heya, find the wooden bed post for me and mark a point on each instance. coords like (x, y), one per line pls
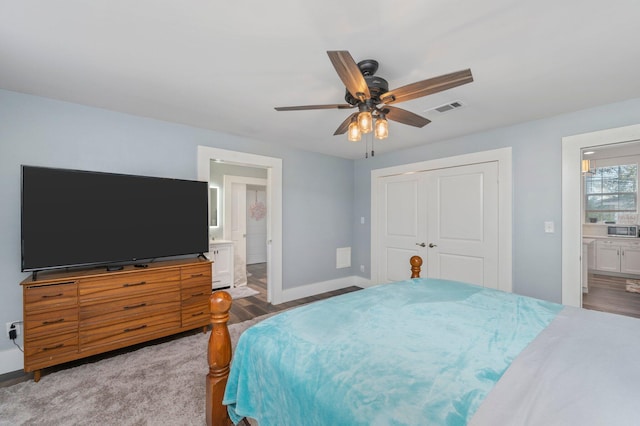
(416, 263)
(219, 356)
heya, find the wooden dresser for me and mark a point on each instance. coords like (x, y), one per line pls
(72, 315)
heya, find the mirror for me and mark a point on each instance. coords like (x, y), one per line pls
(213, 207)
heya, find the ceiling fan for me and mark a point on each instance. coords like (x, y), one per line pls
(371, 95)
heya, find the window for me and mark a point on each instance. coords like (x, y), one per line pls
(611, 191)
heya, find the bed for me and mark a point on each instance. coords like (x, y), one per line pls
(426, 351)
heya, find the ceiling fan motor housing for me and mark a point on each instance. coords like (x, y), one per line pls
(377, 86)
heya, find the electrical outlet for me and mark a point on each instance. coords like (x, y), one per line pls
(16, 325)
(361, 268)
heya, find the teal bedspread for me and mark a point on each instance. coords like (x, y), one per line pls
(422, 351)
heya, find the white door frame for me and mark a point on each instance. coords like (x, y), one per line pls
(505, 200)
(572, 202)
(274, 199)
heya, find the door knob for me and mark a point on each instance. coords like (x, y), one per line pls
(431, 245)
(421, 244)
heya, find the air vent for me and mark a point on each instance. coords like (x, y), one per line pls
(446, 107)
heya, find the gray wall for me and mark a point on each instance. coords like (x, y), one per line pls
(317, 189)
(537, 197)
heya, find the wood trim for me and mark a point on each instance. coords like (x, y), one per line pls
(219, 358)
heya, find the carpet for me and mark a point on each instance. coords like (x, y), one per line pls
(162, 384)
(240, 292)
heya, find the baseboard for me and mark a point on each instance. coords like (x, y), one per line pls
(11, 360)
(363, 282)
(322, 287)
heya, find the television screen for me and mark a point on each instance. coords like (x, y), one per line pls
(76, 218)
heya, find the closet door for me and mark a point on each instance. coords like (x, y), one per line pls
(448, 216)
(463, 224)
(402, 226)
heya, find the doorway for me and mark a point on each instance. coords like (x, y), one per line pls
(572, 146)
(274, 199)
(241, 215)
(610, 265)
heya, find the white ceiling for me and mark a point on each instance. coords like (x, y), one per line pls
(225, 65)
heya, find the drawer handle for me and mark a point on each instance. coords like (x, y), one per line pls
(196, 275)
(50, 296)
(134, 284)
(197, 294)
(135, 306)
(53, 322)
(53, 347)
(126, 330)
(49, 285)
(198, 314)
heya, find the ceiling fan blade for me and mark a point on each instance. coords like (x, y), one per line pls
(342, 128)
(427, 87)
(349, 73)
(405, 117)
(304, 107)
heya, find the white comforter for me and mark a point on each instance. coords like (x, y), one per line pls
(583, 369)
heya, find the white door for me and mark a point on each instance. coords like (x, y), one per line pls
(462, 212)
(453, 212)
(256, 225)
(402, 231)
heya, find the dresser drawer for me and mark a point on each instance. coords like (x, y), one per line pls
(122, 310)
(196, 275)
(97, 290)
(47, 350)
(199, 294)
(138, 329)
(47, 323)
(50, 296)
(195, 315)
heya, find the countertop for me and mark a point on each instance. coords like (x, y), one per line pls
(219, 242)
(608, 237)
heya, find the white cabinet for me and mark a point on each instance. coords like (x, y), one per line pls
(630, 258)
(221, 252)
(618, 256)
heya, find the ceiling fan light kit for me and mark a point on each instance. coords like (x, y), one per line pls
(365, 120)
(354, 134)
(382, 127)
(372, 96)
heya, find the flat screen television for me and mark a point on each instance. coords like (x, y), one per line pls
(76, 218)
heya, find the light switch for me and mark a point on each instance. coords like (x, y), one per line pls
(549, 227)
(361, 220)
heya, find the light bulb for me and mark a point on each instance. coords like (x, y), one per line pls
(365, 121)
(382, 128)
(353, 134)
